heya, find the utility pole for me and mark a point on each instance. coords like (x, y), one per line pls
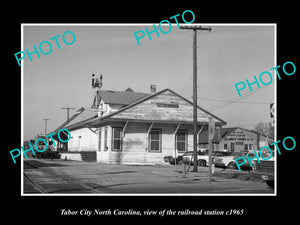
(195, 28)
(257, 137)
(46, 125)
(68, 110)
(211, 134)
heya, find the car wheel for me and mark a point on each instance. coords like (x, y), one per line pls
(202, 163)
(232, 165)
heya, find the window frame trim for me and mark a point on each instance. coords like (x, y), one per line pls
(100, 140)
(105, 139)
(121, 139)
(186, 140)
(160, 140)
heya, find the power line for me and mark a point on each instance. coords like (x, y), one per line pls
(219, 100)
(221, 105)
(244, 125)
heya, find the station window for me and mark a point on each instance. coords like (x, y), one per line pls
(155, 140)
(105, 139)
(117, 139)
(181, 140)
(99, 139)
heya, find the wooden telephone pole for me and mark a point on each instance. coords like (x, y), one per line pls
(46, 126)
(68, 111)
(195, 28)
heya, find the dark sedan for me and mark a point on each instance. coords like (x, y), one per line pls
(171, 160)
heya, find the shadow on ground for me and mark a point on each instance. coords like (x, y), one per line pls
(34, 164)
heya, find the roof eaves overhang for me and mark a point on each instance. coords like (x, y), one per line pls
(81, 124)
(100, 121)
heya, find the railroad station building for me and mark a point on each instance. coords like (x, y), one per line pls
(127, 127)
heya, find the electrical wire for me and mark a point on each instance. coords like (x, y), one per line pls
(223, 104)
(219, 100)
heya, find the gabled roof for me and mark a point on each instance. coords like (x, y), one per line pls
(109, 97)
(146, 97)
(120, 97)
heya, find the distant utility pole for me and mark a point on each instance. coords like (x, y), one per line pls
(46, 125)
(195, 28)
(68, 110)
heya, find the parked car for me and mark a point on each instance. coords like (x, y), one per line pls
(222, 153)
(202, 158)
(171, 160)
(49, 153)
(188, 158)
(228, 160)
(168, 158)
(265, 168)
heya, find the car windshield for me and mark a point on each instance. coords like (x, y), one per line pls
(203, 153)
(187, 154)
(238, 153)
(222, 153)
(198, 153)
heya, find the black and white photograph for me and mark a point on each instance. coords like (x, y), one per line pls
(128, 109)
(156, 118)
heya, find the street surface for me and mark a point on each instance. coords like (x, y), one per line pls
(72, 177)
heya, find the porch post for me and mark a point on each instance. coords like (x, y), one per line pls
(147, 135)
(175, 148)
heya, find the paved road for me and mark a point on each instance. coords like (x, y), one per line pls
(46, 176)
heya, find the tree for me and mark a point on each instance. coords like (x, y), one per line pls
(265, 129)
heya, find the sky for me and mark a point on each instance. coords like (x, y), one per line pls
(227, 55)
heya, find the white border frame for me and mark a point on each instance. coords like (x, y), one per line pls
(148, 24)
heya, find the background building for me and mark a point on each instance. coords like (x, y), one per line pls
(235, 139)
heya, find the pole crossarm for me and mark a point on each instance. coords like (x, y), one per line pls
(195, 27)
(68, 111)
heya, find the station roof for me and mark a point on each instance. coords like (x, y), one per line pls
(119, 97)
